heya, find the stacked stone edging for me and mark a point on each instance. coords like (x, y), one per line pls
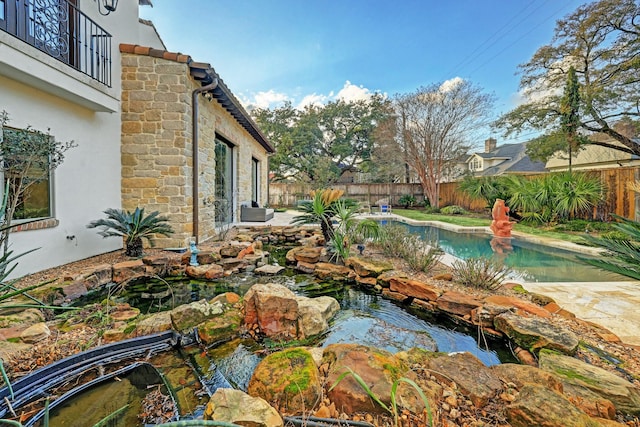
(245, 253)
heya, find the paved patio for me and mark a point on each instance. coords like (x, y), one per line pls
(613, 305)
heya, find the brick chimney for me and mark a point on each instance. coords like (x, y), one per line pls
(490, 145)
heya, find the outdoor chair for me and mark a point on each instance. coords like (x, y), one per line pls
(385, 209)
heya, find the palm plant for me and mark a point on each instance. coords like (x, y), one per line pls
(487, 188)
(319, 210)
(133, 227)
(577, 193)
(350, 229)
(622, 256)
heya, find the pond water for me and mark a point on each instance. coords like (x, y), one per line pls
(195, 371)
(529, 261)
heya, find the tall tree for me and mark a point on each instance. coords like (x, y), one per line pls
(569, 110)
(436, 124)
(601, 40)
(319, 144)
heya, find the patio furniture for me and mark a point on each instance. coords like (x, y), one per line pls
(249, 214)
(385, 209)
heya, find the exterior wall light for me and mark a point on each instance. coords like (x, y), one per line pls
(105, 7)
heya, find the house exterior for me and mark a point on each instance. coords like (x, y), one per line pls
(61, 70)
(505, 159)
(164, 95)
(591, 157)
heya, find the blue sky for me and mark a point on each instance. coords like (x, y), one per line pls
(304, 51)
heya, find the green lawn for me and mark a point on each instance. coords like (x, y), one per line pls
(471, 221)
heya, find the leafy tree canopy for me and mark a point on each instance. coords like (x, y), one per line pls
(601, 40)
(318, 144)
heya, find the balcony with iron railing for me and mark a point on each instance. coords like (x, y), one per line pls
(62, 31)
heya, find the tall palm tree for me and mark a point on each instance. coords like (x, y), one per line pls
(133, 227)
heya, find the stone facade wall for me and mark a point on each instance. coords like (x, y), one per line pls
(157, 147)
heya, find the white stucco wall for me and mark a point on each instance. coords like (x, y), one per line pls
(40, 91)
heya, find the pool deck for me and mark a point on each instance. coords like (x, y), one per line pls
(612, 305)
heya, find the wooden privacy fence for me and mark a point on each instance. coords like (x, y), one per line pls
(618, 198)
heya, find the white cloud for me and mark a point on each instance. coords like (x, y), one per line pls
(352, 93)
(272, 99)
(267, 99)
(312, 99)
(451, 84)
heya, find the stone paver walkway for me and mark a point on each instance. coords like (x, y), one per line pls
(613, 305)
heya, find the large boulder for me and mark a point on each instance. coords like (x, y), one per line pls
(222, 327)
(274, 308)
(237, 407)
(289, 378)
(314, 314)
(535, 333)
(521, 375)
(624, 395)
(187, 316)
(308, 254)
(377, 368)
(158, 322)
(536, 405)
(475, 380)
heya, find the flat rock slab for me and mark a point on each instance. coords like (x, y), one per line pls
(269, 269)
(535, 333)
(474, 378)
(624, 395)
(536, 405)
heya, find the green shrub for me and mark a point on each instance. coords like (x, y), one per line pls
(582, 226)
(419, 255)
(453, 210)
(397, 241)
(407, 200)
(482, 272)
(392, 238)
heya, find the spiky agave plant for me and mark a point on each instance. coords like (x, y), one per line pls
(133, 227)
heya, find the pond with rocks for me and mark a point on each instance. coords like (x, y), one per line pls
(279, 340)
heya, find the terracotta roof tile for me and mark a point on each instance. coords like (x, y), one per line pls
(141, 50)
(156, 53)
(170, 56)
(127, 48)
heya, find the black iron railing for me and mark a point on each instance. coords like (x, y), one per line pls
(58, 28)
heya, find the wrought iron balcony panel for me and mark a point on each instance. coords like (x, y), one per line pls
(62, 31)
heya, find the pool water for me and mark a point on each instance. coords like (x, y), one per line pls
(530, 262)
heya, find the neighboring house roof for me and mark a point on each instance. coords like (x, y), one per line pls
(205, 74)
(513, 159)
(594, 157)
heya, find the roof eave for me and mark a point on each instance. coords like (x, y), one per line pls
(205, 74)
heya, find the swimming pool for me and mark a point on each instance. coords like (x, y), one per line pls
(530, 262)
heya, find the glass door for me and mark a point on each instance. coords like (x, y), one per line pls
(224, 183)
